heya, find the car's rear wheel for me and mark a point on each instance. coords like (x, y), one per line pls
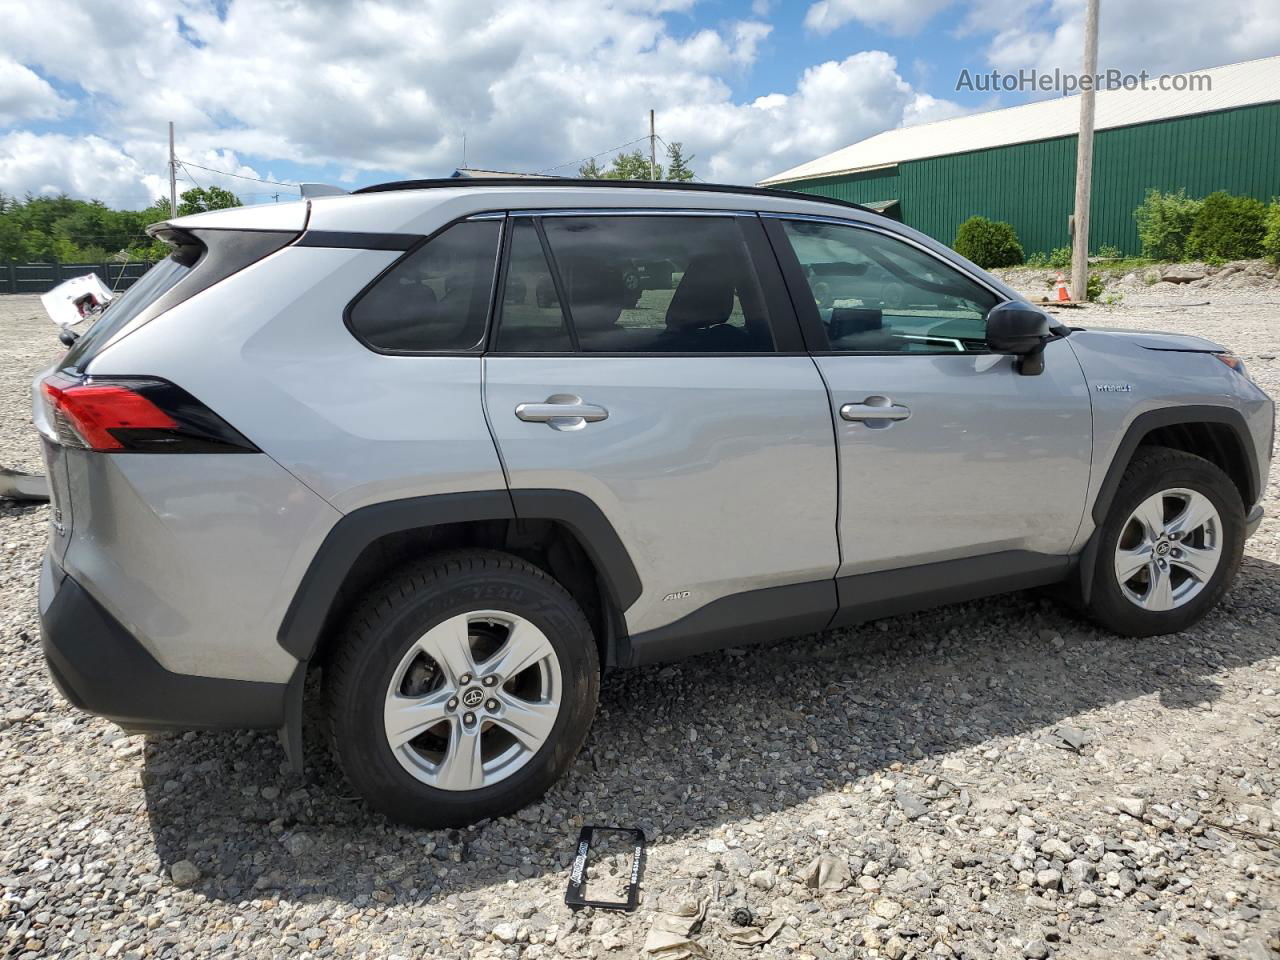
(1170, 545)
(461, 689)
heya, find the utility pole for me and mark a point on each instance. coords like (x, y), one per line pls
(173, 176)
(1084, 160)
(653, 150)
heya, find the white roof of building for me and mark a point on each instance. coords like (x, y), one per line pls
(1235, 85)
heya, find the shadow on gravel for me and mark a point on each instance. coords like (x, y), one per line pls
(680, 749)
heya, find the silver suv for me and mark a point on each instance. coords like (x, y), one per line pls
(437, 441)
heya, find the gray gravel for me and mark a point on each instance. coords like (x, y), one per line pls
(994, 779)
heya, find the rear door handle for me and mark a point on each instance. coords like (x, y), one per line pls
(874, 409)
(562, 411)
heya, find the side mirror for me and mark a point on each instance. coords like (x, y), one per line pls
(1022, 330)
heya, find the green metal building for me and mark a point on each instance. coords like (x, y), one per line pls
(1018, 164)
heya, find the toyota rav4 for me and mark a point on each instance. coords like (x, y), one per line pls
(436, 441)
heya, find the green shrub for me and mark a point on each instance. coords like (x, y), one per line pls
(1060, 258)
(1109, 251)
(1227, 228)
(1037, 259)
(1164, 223)
(1093, 286)
(988, 243)
(1271, 239)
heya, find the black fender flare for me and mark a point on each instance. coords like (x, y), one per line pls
(300, 629)
(317, 591)
(1138, 428)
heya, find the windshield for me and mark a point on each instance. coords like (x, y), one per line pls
(153, 285)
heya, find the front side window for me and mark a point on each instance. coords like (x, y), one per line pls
(877, 294)
(436, 299)
(658, 284)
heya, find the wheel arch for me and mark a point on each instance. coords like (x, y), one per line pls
(563, 531)
(319, 592)
(1218, 434)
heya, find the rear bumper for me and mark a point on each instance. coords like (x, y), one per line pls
(99, 666)
(1253, 519)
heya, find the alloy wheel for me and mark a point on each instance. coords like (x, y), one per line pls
(1169, 549)
(473, 700)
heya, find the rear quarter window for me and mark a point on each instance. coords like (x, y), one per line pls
(436, 298)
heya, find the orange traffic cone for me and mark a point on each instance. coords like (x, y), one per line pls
(1063, 296)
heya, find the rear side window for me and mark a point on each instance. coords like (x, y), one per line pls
(532, 321)
(436, 299)
(659, 284)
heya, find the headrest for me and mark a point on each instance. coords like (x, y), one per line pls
(596, 293)
(704, 296)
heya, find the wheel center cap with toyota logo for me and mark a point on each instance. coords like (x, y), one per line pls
(1162, 548)
(472, 697)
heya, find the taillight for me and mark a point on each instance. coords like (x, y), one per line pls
(136, 415)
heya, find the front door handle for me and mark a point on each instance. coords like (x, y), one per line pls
(562, 411)
(875, 411)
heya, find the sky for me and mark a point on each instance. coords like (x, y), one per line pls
(353, 92)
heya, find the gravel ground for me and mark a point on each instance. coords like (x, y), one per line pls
(994, 779)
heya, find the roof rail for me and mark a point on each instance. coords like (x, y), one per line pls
(552, 183)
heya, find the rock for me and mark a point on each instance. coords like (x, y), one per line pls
(1035, 949)
(716, 845)
(895, 948)
(886, 909)
(184, 873)
(505, 932)
(1072, 737)
(1133, 806)
(762, 879)
(910, 804)
(1049, 879)
(298, 844)
(1053, 847)
(1087, 898)
(1183, 273)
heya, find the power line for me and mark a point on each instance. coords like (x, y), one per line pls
(241, 176)
(190, 174)
(588, 159)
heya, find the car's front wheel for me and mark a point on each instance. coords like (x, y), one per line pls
(461, 689)
(1170, 545)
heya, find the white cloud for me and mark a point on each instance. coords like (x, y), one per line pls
(82, 166)
(894, 16)
(1182, 36)
(393, 87)
(26, 96)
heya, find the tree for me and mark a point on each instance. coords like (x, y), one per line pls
(204, 199)
(633, 166)
(1227, 228)
(591, 170)
(988, 243)
(678, 168)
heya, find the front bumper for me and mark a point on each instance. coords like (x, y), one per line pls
(1253, 519)
(99, 666)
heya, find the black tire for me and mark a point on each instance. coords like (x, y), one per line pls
(1152, 470)
(377, 636)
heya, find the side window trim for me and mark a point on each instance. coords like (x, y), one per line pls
(815, 334)
(566, 309)
(500, 281)
(482, 343)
